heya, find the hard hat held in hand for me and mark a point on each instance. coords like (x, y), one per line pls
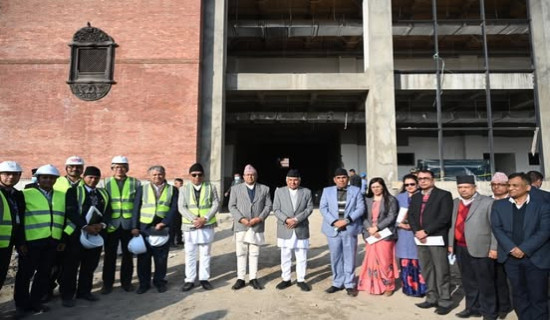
(137, 245)
(90, 241)
(10, 166)
(74, 161)
(120, 160)
(47, 169)
(158, 241)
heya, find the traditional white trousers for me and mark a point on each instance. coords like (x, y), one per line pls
(198, 241)
(242, 250)
(299, 246)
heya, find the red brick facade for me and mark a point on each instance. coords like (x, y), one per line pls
(150, 115)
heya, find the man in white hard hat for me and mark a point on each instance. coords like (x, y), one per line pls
(198, 203)
(155, 205)
(42, 223)
(74, 166)
(11, 202)
(122, 190)
(88, 212)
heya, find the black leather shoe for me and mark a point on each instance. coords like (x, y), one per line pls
(142, 290)
(426, 305)
(333, 289)
(161, 288)
(442, 310)
(106, 290)
(352, 292)
(304, 286)
(256, 284)
(128, 287)
(87, 296)
(39, 308)
(239, 284)
(68, 303)
(468, 313)
(206, 285)
(188, 286)
(283, 285)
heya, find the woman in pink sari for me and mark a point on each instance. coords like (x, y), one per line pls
(379, 268)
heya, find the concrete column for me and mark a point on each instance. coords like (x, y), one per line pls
(212, 82)
(380, 105)
(540, 37)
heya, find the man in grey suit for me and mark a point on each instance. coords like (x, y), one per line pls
(292, 206)
(471, 239)
(250, 205)
(342, 207)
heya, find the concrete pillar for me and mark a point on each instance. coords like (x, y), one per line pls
(212, 81)
(381, 144)
(540, 37)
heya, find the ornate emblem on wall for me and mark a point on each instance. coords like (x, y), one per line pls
(92, 63)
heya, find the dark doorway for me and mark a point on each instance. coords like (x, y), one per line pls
(313, 151)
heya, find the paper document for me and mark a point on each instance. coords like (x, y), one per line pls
(401, 215)
(431, 241)
(93, 216)
(384, 233)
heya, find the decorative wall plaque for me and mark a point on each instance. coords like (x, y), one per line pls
(92, 63)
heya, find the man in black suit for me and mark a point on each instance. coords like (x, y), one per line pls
(536, 182)
(521, 225)
(430, 215)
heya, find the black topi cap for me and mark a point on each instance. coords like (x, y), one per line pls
(465, 179)
(293, 173)
(341, 172)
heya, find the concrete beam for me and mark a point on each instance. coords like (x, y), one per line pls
(540, 38)
(305, 81)
(465, 81)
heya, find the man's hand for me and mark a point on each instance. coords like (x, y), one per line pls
(91, 229)
(160, 226)
(291, 223)
(517, 253)
(199, 222)
(404, 226)
(135, 232)
(340, 223)
(493, 254)
(450, 250)
(255, 221)
(245, 222)
(421, 235)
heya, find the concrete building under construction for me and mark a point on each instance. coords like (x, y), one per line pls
(374, 85)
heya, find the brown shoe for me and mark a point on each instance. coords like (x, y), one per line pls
(388, 293)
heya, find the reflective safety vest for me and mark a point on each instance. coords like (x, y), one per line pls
(6, 226)
(81, 196)
(122, 203)
(205, 202)
(151, 206)
(63, 184)
(42, 221)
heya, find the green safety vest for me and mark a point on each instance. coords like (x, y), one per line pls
(122, 203)
(81, 195)
(205, 202)
(5, 222)
(151, 206)
(42, 221)
(62, 184)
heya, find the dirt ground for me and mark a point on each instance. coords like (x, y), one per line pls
(247, 303)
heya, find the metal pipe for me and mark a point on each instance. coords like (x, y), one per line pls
(487, 88)
(438, 92)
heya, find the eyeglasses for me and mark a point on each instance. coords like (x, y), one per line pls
(424, 178)
(499, 184)
(194, 175)
(409, 184)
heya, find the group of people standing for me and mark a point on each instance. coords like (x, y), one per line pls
(59, 226)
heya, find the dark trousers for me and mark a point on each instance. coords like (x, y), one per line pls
(435, 270)
(36, 262)
(176, 236)
(529, 288)
(478, 280)
(503, 292)
(160, 256)
(57, 269)
(109, 260)
(77, 256)
(5, 259)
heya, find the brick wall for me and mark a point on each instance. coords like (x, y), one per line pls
(150, 115)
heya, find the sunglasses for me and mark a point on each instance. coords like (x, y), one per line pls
(194, 175)
(409, 184)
